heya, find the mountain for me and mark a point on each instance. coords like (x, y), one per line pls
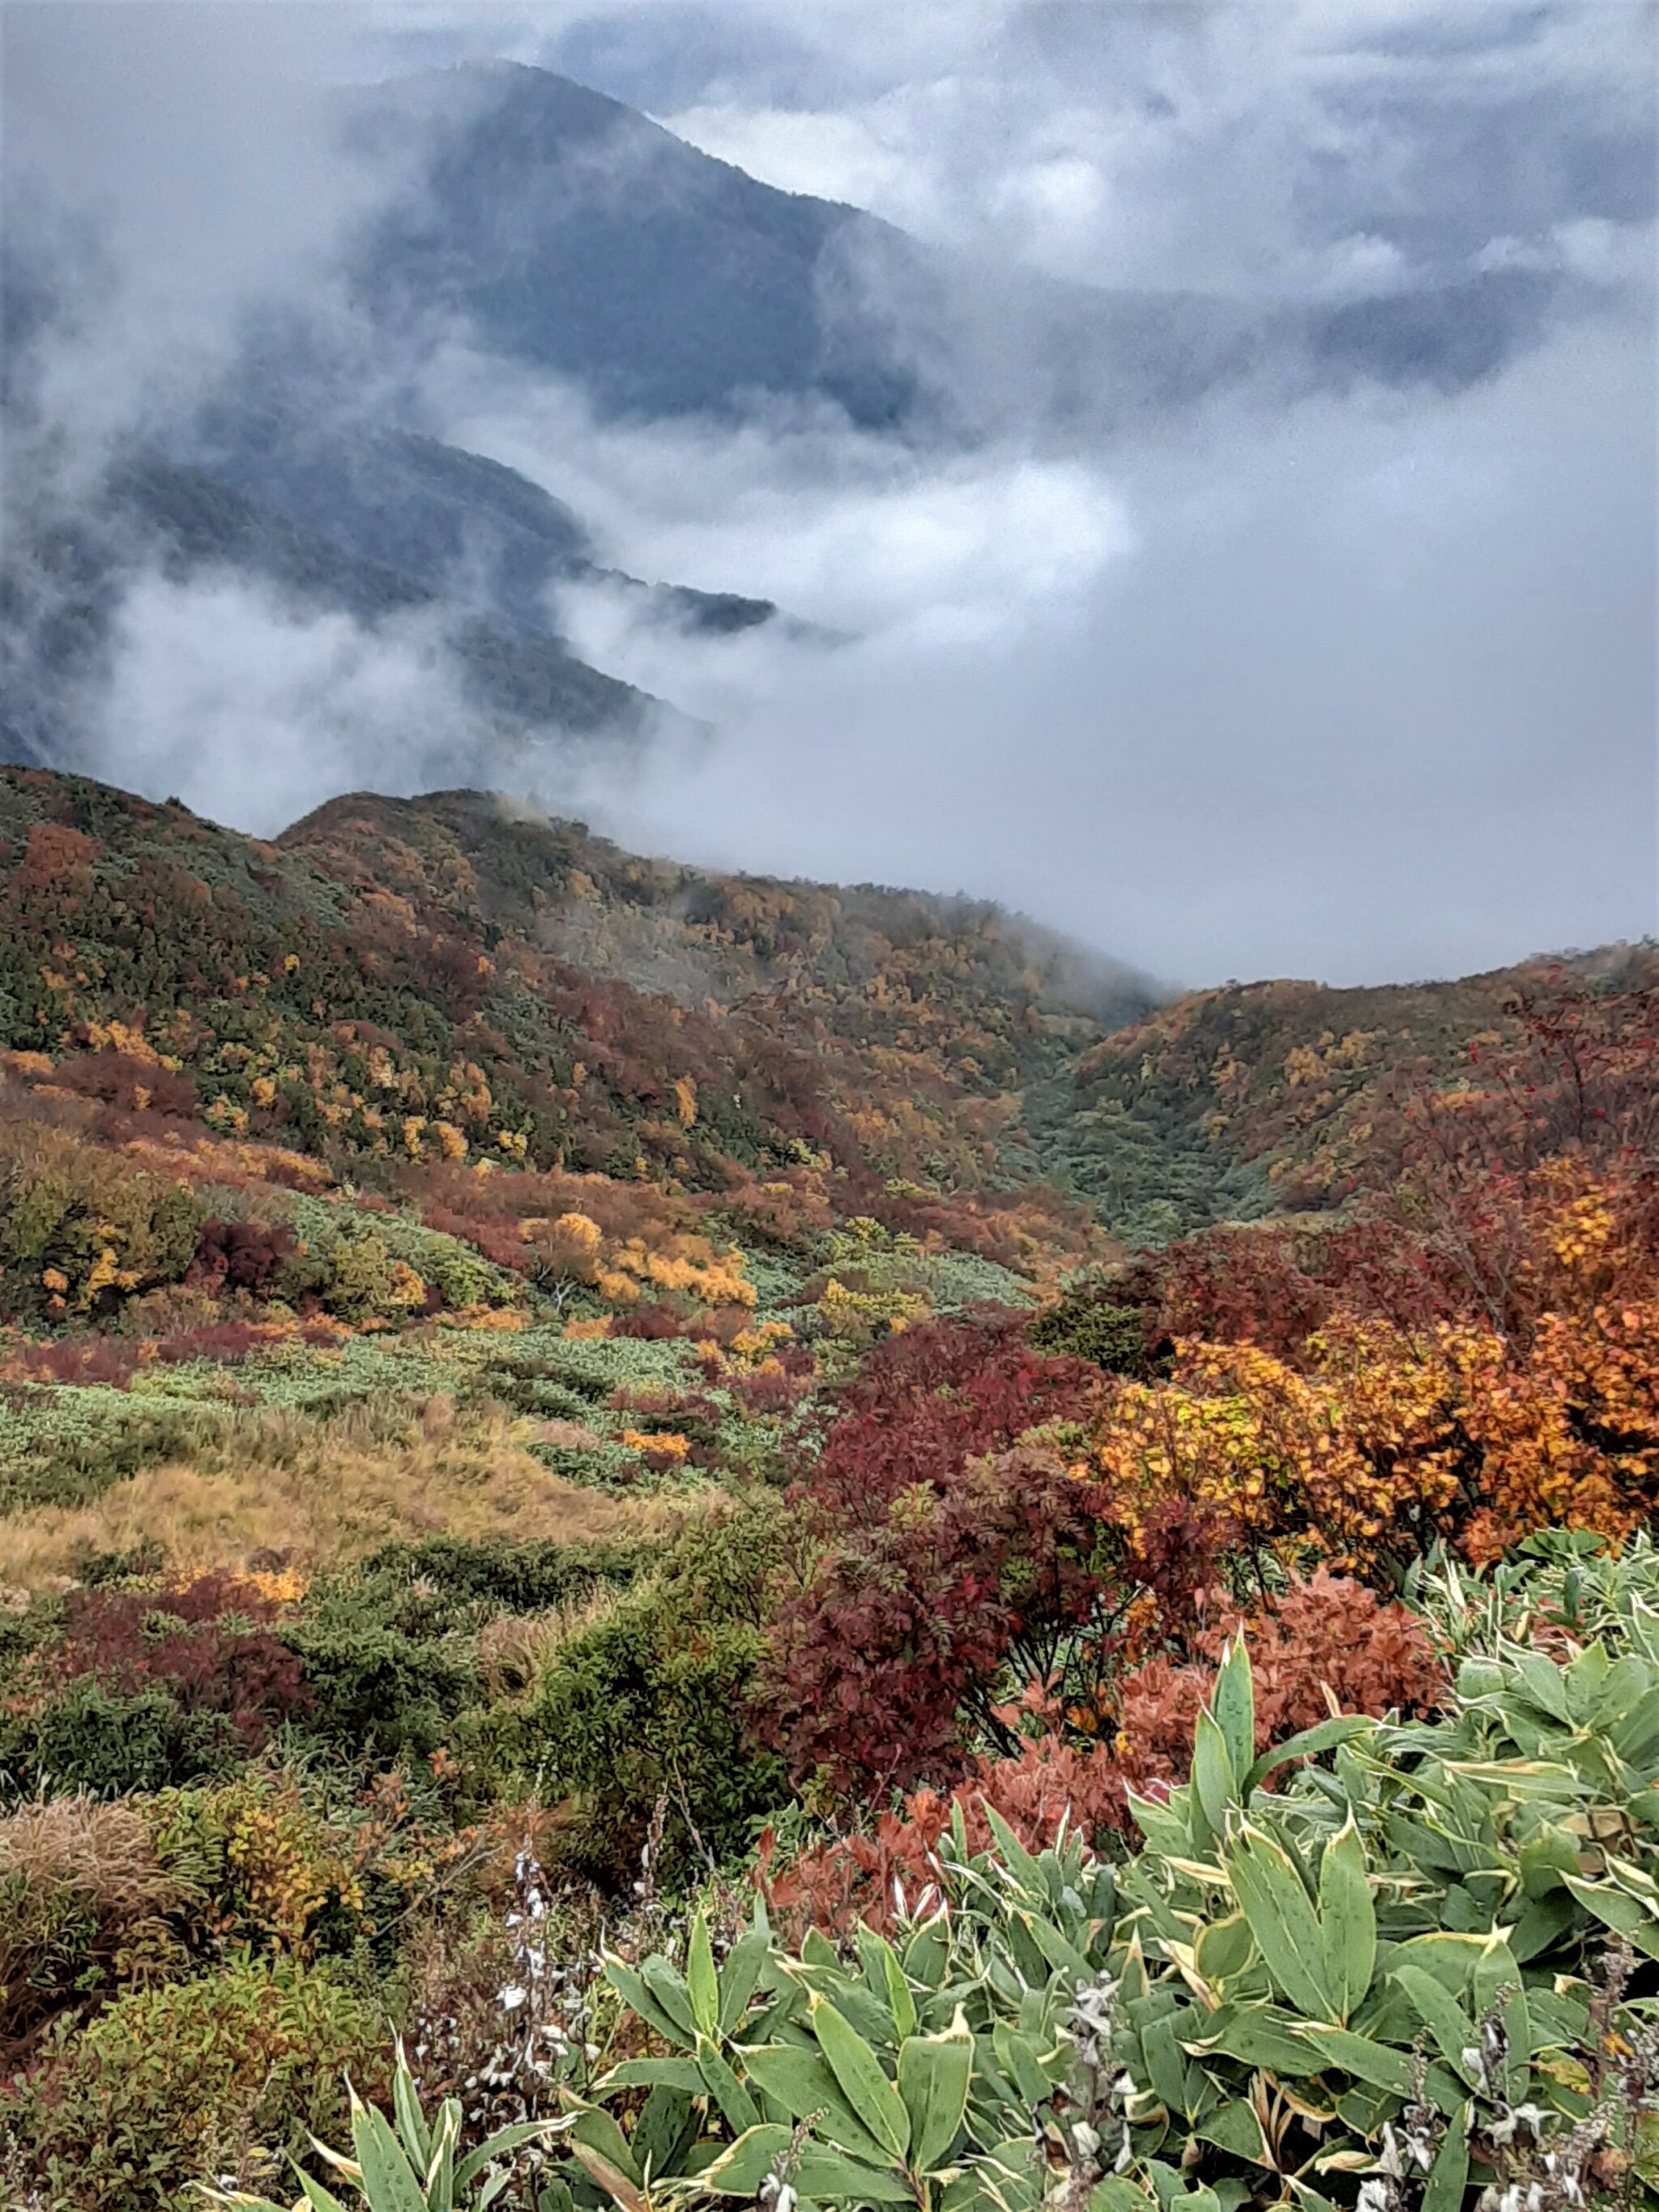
(573, 232)
(883, 1034)
(565, 231)
(632, 1017)
(1263, 1098)
(153, 514)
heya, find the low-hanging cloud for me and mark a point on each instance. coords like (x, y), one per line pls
(1363, 691)
(255, 712)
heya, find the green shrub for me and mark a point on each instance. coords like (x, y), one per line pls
(86, 1908)
(419, 2165)
(87, 1737)
(351, 1260)
(452, 1582)
(192, 2079)
(66, 1446)
(376, 1690)
(651, 1701)
(79, 1230)
(638, 1708)
(1087, 1322)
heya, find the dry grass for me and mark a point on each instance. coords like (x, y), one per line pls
(82, 1900)
(514, 1648)
(323, 1494)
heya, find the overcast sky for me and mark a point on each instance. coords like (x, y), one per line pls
(1356, 683)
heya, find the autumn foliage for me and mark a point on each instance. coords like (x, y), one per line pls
(1323, 1646)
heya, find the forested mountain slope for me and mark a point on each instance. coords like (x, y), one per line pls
(1267, 1098)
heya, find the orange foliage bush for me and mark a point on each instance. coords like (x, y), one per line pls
(1379, 1437)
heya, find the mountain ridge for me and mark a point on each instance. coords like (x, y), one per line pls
(923, 1051)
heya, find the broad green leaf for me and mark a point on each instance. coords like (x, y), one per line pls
(898, 1993)
(1256, 2037)
(616, 2184)
(669, 1990)
(1162, 1825)
(1223, 1947)
(661, 2134)
(597, 2130)
(739, 1975)
(1625, 1915)
(1117, 2193)
(1270, 1892)
(318, 2198)
(1014, 1855)
(406, 2110)
(927, 1952)
(634, 1993)
(438, 2179)
(878, 2103)
(801, 2082)
(1018, 2057)
(934, 2073)
(702, 1986)
(1347, 1919)
(1325, 1737)
(1449, 1956)
(1236, 2128)
(1522, 1778)
(1357, 2054)
(1166, 2067)
(743, 2166)
(822, 2175)
(389, 2181)
(736, 2104)
(1062, 1955)
(1234, 1707)
(651, 2074)
(1214, 1780)
(1448, 2176)
(513, 2137)
(1442, 2015)
(1543, 1684)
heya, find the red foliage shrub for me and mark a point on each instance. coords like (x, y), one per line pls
(110, 1360)
(769, 1392)
(934, 1397)
(1176, 1557)
(241, 1255)
(933, 1567)
(1329, 1641)
(121, 1079)
(874, 1877)
(654, 1322)
(180, 1638)
(912, 1613)
(226, 1342)
(1275, 1285)
(498, 1239)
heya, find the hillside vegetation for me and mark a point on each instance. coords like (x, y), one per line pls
(793, 1529)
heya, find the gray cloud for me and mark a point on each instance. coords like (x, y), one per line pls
(1364, 691)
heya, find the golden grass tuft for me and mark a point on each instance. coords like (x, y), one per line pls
(92, 1862)
(514, 1648)
(322, 1494)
